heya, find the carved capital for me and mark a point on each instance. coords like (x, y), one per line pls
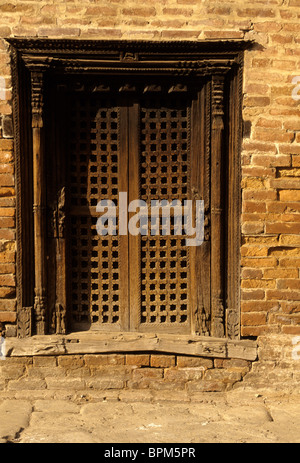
(218, 102)
(37, 98)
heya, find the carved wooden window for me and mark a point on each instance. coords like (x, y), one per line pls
(136, 118)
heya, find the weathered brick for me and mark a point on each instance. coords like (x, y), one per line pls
(145, 11)
(70, 384)
(251, 273)
(259, 262)
(206, 386)
(259, 306)
(147, 373)
(104, 384)
(140, 360)
(59, 32)
(27, 384)
(7, 292)
(254, 318)
(289, 195)
(253, 228)
(283, 228)
(7, 179)
(7, 280)
(252, 294)
(162, 361)
(44, 361)
(103, 359)
(188, 362)
(184, 374)
(280, 294)
(72, 361)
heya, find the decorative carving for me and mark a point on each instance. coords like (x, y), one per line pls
(152, 88)
(52, 221)
(61, 213)
(204, 66)
(218, 316)
(37, 98)
(40, 308)
(127, 88)
(232, 323)
(57, 216)
(218, 102)
(201, 321)
(24, 328)
(59, 319)
(101, 88)
(178, 88)
(129, 56)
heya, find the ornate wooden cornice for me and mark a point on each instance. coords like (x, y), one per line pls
(88, 56)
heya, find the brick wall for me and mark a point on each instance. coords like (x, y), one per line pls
(271, 148)
(91, 375)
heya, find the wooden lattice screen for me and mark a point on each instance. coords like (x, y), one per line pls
(98, 151)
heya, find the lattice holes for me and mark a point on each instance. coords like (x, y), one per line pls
(93, 176)
(164, 175)
(164, 125)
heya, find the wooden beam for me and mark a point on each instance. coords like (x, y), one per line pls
(99, 343)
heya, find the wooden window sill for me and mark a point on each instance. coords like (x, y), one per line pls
(102, 343)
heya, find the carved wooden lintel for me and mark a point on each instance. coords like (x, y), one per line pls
(204, 67)
(24, 327)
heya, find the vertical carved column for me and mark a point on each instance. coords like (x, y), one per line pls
(39, 199)
(61, 271)
(217, 212)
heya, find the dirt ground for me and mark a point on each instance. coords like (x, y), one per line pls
(233, 417)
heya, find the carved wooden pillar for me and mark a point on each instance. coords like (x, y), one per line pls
(61, 268)
(39, 199)
(217, 212)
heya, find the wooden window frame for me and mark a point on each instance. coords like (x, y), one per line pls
(32, 60)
